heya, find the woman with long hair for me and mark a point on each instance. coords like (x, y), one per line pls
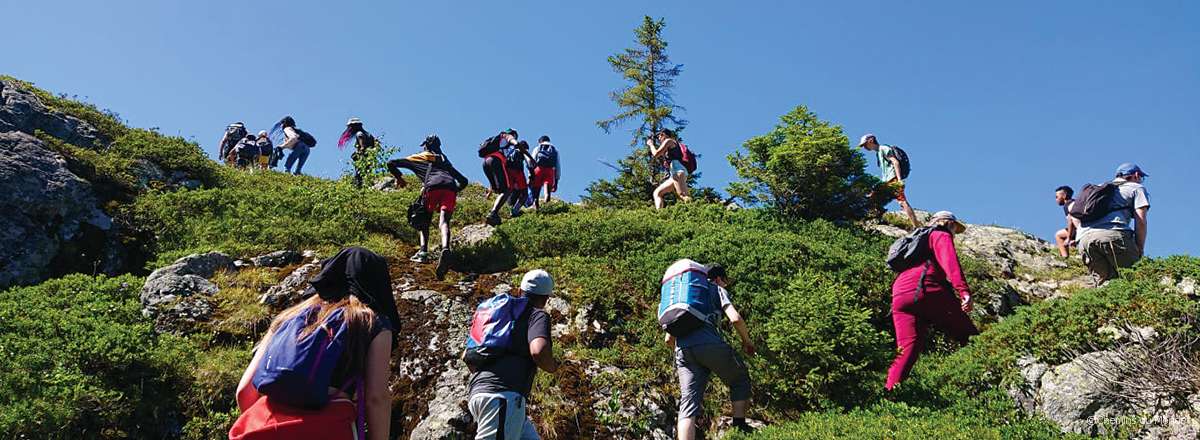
(665, 147)
(363, 143)
(292, 139)
(350, 308)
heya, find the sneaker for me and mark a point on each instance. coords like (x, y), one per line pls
(420, 257)
(493, 220)
(443, 264)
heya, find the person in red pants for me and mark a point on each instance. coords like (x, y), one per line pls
(923, 295)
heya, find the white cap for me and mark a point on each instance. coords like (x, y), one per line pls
(353, 121)
(959, 227)
(537, 282)
(863, 140)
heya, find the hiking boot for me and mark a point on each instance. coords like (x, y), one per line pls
(420, 257)
(493, 220)
(443, 264)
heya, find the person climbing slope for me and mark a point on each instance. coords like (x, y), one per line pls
(234, 133)
(546, 171)
(298, 141)
(1064, 196)
(245, 153)
(364, 143)
(665, 146)
(893, 169)
(923, 293)
(1114, 222)
(518, 186)
(494, 152)
(265, 150)
(440, 185)
(321, 371)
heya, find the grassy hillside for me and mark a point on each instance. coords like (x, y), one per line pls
(82, 359)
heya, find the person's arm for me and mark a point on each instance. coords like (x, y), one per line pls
(221, 144)
(394, 166)
(375, 387)
(458, 177)
(739, 324)
(670, 340)
(1070, 227)
(896, 168)
(1142, 227)
(246, 393)
(942, 244)
(290, 138)
(543, 354)
(657, 150)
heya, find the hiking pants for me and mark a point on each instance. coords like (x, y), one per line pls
(695, 365)
(298, 156)
(912, 317)
(1105, 251)
(501, 416)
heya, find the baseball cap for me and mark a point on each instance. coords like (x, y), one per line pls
(537, 282)
(959, 227)
(1128, 168)
(353, 121)
(863, 140)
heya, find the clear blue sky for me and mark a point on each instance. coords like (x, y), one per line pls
(997, 103)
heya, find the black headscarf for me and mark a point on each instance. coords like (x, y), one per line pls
(362, 273)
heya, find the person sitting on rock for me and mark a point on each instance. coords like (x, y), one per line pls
(922, 296)
(703, 352)
(441, 183)
(350, 307)
(499, 390)
(1065, 236)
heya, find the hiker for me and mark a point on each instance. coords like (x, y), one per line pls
(923, 294)
(298, 141)
(265, 150)
(688, 289)
(501, 381)
(294, 389)
(893, 169)
(233, 134)
(495, 151)
(518, 185)
(1108, 239)
(546, 171)
(245, 152)
(1065, 237)
(364, 142)
(665, 147)
(440, 185)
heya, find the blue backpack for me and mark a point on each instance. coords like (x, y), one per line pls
(296, 371)
(492, 327)
(547, 156)
(688, 299)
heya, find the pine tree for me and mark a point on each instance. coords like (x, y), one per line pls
(646, 100)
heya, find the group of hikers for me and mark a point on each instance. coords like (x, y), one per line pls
(243, 150)
(321, 370)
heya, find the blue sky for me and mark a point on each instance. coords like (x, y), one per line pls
(997, 103)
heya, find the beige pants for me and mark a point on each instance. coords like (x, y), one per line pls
(1104, 251)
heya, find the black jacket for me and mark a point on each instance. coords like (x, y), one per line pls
(442, 174)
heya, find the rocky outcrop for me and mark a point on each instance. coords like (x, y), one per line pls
(482, 249)
(428, 368)
(23, 111)
(291, 288)
(180, 295)
(48, 210)
(277, 259)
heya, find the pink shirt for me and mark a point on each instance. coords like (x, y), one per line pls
(945, 270)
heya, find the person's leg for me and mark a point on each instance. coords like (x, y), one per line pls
(291, 160)
(424, 236)
(693, 381)
(1126, 250)
(303, 150)
(1097, 256)
(489, 412)
(1061, 237)
(518, 426)
(444, 228)
(897, 189)
(662, 190)
(910, 340)
(679, 181)
(722, 360)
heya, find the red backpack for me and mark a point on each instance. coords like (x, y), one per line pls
(688, 159)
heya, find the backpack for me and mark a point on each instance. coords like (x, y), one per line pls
(233, 135)
(910, 250)
(296, 371)
(902, 157)
(688, 158)
(687, 298)
(1095, 202)
(264, 147)
(308, 139)
(547, 156)
(489, 146)
(492, 327)
(247, 149)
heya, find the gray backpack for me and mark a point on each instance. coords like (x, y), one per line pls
(910, 250)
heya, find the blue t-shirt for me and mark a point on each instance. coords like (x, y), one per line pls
(707, 334)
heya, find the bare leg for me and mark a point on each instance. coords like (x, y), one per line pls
(498, 203)
(444, 228)
(680, 182)
(424, 236)
(911, 215)
(686, 429)
(1061, 238)
(662, 190)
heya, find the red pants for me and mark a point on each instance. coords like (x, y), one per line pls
(912, 319)
(544, 177)
(441, 199)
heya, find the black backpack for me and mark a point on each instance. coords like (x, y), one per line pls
(1095, 202)
(902, 157)
(547, 156)
(247, 149)
(233, 135)
(489, 146)
(910, 250)
(308, 139)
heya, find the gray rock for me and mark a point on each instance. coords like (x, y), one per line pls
(277, 259)
(1074, 398)
(21, 110)
(447, 419)
(291, 289)
(179, 295)
(385, 184)
(482, 249)
(441, 339)
(49, 213)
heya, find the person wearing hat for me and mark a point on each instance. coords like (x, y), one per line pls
(266, 150)
(889, 170)
(1112, 242)
(234, 133)
(441, 183)
(356, 283)
(924, 296)
(703, 352)
(364, 142)
(499, 390)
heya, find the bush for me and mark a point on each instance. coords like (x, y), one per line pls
(803, 168)
(81, 361)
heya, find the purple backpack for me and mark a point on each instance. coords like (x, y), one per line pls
(296, 371)
(492, 328)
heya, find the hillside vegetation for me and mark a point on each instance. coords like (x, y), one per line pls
(81, 360)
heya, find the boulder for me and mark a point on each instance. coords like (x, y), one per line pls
(448, 418)
(1075, 399)
(179, 295)
(291, 288)
(430, 369)
(385, 184)
(23, 111)
(482, 249)
(277, 259)
(51, 224)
